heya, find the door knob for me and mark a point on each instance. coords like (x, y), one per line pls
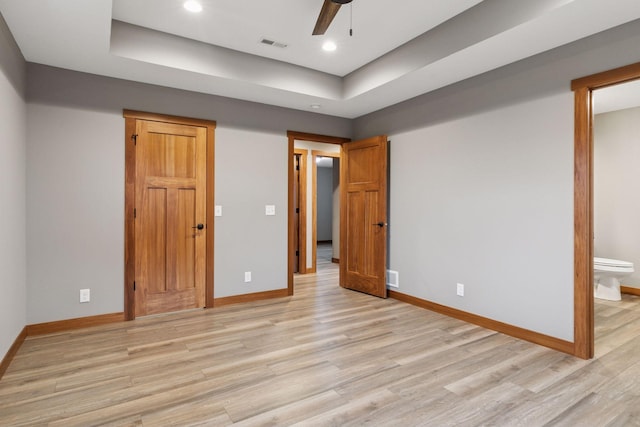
(380, 224)
(199, 226)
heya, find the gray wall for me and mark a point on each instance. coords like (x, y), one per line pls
(482, 185)
(324, 204)
(251, 172)
(617, 188)
(13, 115)
(75, 187)
(75, 205)
(478, 201)
(481, 180)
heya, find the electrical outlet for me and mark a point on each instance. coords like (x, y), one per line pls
(247, 276)
(85, 295)
(460, 290)
(270, 210)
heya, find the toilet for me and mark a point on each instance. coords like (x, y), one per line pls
(606, 277)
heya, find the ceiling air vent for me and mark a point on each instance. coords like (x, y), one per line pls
(273, 43)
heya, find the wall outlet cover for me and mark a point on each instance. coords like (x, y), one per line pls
(247, 276)
(270, 210)
(85, 295)
(460, 290)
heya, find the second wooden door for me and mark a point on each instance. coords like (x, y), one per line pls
(363, 216)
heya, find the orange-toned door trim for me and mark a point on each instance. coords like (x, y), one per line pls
(302, 214)
(300, 136)
(130, 176)
(583, 201)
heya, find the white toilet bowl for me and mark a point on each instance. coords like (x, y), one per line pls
(606, 277)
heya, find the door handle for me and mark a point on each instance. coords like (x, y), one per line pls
(380, 224)
(199, 226)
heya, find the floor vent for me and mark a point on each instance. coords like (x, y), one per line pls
(392, 279)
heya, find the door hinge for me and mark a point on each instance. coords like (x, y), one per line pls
(134, 286)
(135, 213)
(297, 210)
(135, 138)
(297, 253)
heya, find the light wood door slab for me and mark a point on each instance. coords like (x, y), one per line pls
(363, 216)
(170, 203)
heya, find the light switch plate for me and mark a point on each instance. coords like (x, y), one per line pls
(218, 210)
(270, 210)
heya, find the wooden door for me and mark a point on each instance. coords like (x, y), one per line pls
(363, 216)
(170, 231)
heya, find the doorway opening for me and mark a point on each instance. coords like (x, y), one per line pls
(325, 207)
(616, 201)
(584, 339)
(304, 149)
(363, 211)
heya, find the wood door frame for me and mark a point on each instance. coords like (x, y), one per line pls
(130, 197)
(291, 137)
(302, 214)
(583, 88)
(314, 203)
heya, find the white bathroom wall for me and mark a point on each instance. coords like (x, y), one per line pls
(13, 252)
(617, 188)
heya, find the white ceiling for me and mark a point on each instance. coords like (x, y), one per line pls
(400, 49)
(618, 97)
(239, 25)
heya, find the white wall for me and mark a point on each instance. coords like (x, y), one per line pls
(617, 188)
(486, 201)
(12, 191)
(325, 204)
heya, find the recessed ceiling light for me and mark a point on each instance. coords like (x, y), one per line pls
(193, 6)
(329, 46)
(316, 106)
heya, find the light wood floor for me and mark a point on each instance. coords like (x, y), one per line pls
(325, 357)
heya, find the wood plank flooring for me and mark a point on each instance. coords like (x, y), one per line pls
(325, 357)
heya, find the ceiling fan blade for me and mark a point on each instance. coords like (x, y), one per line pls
(327, 13)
